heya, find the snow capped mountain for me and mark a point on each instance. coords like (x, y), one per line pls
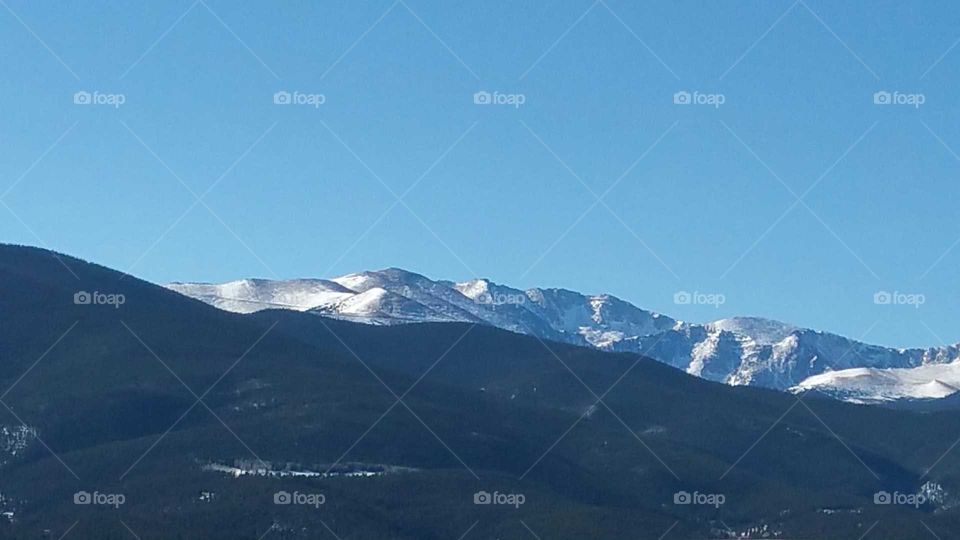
(737, 351)
(871, 385)
(249, 295)
(759, 352)
(763, 331)
(377, 305)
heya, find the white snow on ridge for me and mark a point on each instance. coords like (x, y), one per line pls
(380, 306)
(358, 282)
(738, 351)
(763, 331)
(250, 295)
(872, 385)
(473, 289)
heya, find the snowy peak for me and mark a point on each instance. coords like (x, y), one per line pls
(379, 306)
(474, 289)
(250, 295)
(394, 295)
(487, 293)
(602, 321)
(738, 351)
(763, 331)
(386, 278)
(872, 385)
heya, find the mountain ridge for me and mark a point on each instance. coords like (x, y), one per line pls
(749, 351)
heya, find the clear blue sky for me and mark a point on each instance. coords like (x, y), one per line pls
(694, 214)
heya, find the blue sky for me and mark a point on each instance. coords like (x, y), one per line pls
(698, 198)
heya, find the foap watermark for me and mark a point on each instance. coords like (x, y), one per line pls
(884, 97)
(500, 299)
(897, 298)
(504, 499)
(715, 500)
(304, 499)
(99, 98)
(499, 98)
(115, 500)
(296, 97)
(915, 500)
(685, 298)
(96, 298)
(696, 97)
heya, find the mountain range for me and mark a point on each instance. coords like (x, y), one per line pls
(746, 351)
(203, 423)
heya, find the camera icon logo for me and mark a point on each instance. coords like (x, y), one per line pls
(882, 298)
(482, 98)
(682, 298)
(82, 497)
(282, 98)
(282, 497)
(682, 497)
(482, 497)
(882, 497)
(82, 298)
(682, 98)
(882, 98)
(82, 98)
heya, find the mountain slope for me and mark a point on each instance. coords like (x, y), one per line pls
(738, 351)
(109, 404)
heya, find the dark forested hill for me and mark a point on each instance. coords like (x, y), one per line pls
(177, 420)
